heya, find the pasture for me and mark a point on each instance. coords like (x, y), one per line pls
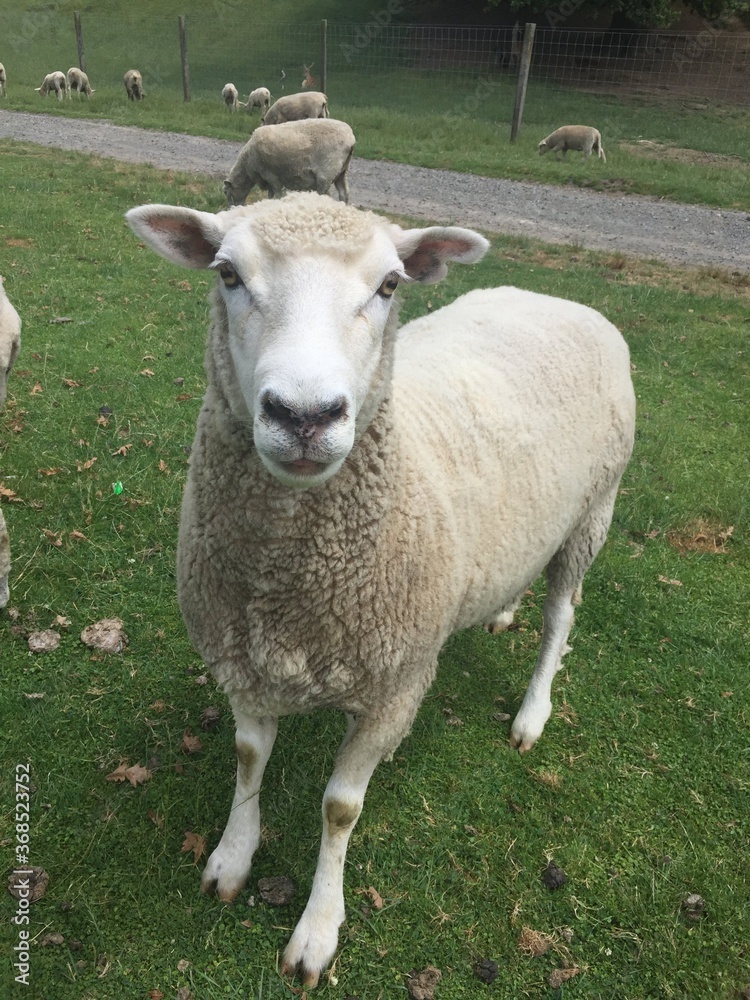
(685, 149)
(637, 790)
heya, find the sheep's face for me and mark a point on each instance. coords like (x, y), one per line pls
(307, 286)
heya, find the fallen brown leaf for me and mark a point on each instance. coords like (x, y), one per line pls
(82, 466)
(190, 743)
(135, 774)
(195, 843)
(559, 976)
(52, 538)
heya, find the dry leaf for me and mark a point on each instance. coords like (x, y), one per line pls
(183, 396)
(36, 390)
(195, 843)
(155, 818)
(9, 494)
(78, 536)
(82, 466)
(61, 621)
(135, 774)
(559, 976)
(163, 467)
(377, 899)
(534, 943)
(190, 743)
(672, 583)
(147, 372)
(123, 449)
(49, 472)
(71, 384)
(52, 537)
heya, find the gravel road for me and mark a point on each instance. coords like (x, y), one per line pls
(630, 224)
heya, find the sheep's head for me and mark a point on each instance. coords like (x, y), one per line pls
(307, 286)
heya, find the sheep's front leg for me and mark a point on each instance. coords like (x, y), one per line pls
(315, 938)
(229, 865)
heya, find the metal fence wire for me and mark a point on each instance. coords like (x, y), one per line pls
(403, 59)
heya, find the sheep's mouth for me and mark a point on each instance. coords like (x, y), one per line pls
(304, 467)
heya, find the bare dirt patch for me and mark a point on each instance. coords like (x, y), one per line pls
(701, 536)
(696, 157)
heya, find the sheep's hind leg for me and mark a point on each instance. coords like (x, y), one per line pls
(565, 574)
(4, 562)
(315, 938)
(229, 865)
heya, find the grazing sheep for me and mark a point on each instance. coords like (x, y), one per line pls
(3, 81)
(308, 155)
(230, 97)
(581, 137)
(56, 81)
(78, 82)
(295, 107)
(134, 85)
(10, 344)
(259, 98)
(355, 496)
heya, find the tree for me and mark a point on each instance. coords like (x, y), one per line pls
(634, 13)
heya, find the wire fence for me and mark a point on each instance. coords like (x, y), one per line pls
(399, 61)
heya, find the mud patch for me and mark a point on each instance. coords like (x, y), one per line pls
(676, 154)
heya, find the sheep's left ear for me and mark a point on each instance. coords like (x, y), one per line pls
(182, 235)
(426, 252)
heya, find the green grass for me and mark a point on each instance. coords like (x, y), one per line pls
(452, 120)
(638, 788)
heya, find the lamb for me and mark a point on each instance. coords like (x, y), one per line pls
(56, 81)
(308, 155)
(295, 107)
(10, 344)
(78, 81)
(134, 85)
(581, 137)
(259, 98)
(355, 496)
(230, 97)
(3, 81)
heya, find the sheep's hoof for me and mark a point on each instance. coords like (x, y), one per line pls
(309, 979)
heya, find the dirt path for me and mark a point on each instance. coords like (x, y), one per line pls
(631, 224)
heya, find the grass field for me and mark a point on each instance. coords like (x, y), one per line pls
(638, 789)
(685, 150)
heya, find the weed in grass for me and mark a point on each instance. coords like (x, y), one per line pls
(637, 789)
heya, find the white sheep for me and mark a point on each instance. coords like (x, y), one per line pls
(355, 496)
(3, 81)
(10, 345)
(230, 97)
(295, 107)
(259, 98)
(56, 82)
(308, 155)
(134, 85)
(78, 81)
(582, 137)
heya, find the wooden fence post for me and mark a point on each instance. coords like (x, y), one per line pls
(79, 40)
(324, 56)
(184, 58)
(523, 79)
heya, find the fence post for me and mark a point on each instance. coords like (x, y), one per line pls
(79, 40)
(324, 56)
(523, 79)
(184, 57)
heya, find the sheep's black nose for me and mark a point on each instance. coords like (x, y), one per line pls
(307, 424)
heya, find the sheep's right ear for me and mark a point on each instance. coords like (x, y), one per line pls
(182, 235)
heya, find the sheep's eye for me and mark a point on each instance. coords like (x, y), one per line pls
(229, 276)
(388, 287)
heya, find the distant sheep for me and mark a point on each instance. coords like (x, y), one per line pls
(259, 98)
(295, 107)
(56, 82)
(10, 344)
(308, 155)
(230, 97)
(356, 494)
(134, 85)
(78, 82)
(3, 80)
(581, 137)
